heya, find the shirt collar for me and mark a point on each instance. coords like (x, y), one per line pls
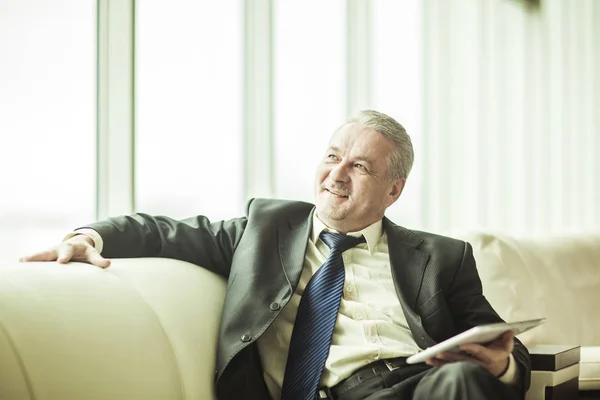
(372, 233)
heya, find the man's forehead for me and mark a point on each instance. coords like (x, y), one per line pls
(362, 139)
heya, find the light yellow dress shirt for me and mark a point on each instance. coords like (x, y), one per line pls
(371, 324)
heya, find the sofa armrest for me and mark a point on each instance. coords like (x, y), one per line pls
(554, 372)
(143, 328)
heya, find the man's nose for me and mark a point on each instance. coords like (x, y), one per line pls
(339, 173)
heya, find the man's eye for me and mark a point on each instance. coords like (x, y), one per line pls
(359, 166)
(331, 156)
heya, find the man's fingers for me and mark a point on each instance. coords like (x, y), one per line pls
(508, 340)
(96, 259)
(457, 356)
(478, 352)
(100, 261)
(65, 253)
(436, 362)
(78, 248)
(473, 348)
(450, 357)
(503, 342)
(47, 255)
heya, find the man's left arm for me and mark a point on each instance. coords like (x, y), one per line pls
(470, 308)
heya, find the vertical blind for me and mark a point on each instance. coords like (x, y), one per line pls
(511, 129)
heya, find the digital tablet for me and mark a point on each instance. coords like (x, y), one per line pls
(480, 334)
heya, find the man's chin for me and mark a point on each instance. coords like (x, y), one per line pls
(331, 213)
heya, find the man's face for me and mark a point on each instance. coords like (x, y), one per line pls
(353, 188)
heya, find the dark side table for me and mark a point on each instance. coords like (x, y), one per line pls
(554, 372)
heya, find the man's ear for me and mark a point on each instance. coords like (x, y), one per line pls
(395, 190)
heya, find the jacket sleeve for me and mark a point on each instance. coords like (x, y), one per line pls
(470, 308)
(195, 240)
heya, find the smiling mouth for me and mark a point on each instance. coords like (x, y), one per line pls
(336, 194)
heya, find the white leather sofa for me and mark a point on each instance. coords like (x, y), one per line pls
(147, 328)
(556, 278)
(141, 329)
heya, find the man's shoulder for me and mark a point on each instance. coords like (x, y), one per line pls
(437, 238)
(428, 241)
(442, 250)
(277, 207)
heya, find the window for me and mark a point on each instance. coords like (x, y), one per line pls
(188, 144)
(309, 85)
(48, 121)
(396, 87)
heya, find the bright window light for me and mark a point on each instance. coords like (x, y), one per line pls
(47, 121)
(188, 143)
(397, 88)
(310, 82)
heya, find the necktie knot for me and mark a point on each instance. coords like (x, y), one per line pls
(340, 242)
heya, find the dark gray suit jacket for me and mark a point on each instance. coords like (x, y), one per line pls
(262, 256)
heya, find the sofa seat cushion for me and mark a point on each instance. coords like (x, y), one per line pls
(589, 372)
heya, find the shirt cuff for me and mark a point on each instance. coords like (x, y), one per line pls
(92, 234)
(510, 375)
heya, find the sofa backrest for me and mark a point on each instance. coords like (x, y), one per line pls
(556, 278)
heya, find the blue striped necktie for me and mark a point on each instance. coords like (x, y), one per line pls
(313, 328)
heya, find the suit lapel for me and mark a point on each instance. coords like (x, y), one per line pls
(292, 240)
(408, 265)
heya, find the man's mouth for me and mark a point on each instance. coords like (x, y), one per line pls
(336, 193)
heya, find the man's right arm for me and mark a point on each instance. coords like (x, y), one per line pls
(195, 240)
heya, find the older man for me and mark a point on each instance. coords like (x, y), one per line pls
(327, 301)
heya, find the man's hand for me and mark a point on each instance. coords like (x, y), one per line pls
(494, 356)
(78, 248)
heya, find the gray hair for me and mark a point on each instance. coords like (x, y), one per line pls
(401, 160)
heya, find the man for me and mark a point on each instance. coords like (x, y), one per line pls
(327, 301)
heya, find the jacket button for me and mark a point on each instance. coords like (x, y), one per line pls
(274, 306)
(246, 337)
